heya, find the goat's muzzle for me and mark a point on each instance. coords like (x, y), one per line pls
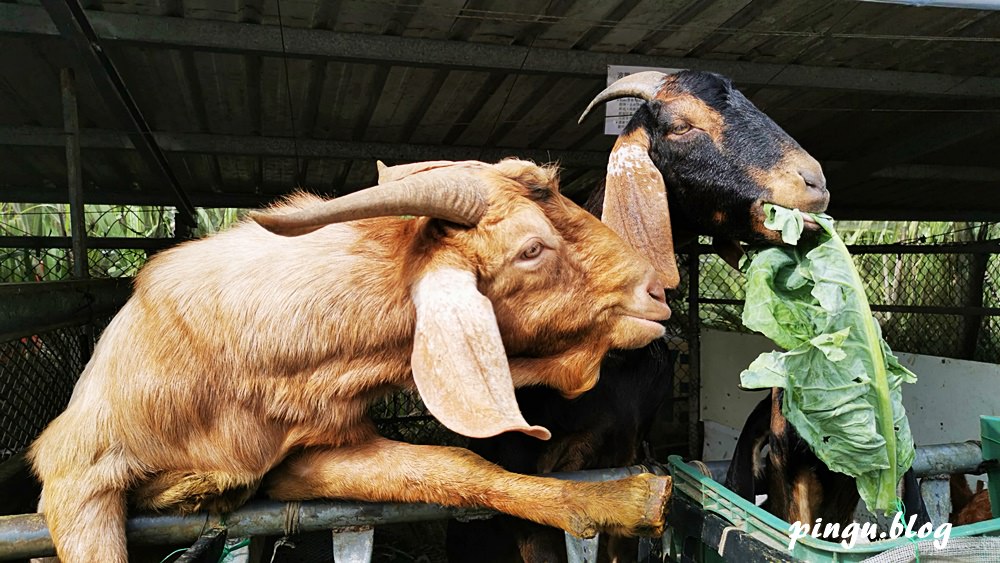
(643, 315)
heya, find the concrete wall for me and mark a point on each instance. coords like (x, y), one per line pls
(943, 406)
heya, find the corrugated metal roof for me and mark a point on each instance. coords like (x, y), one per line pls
(902, 104)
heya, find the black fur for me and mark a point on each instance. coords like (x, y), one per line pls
(602, 428)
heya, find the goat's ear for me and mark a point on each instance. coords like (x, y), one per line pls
(459, 363)
(635, 203)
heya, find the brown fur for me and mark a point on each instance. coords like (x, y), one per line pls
(248, 357)
(968, 507)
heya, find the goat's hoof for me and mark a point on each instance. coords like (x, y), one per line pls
(654, 516)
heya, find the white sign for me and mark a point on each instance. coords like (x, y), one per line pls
(618, 112)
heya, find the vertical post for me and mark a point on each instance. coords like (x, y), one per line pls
(184, 229)
(972, 325)
(74, 178)
(694, 357)
(74, 174)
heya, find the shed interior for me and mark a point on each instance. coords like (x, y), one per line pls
(192, 104)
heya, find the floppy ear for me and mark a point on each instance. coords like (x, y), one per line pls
(459, 363)
(635, 203)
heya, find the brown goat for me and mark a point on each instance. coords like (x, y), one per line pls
(248, 360)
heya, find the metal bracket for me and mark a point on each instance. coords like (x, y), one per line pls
(353, 545)
(581, 550)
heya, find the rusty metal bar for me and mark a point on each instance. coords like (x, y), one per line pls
(92, 242)
(26, 535)
(208, 548)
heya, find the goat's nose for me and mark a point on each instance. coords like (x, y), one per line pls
(813, 177)
(654, 288)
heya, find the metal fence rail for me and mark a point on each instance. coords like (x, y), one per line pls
(27, 535)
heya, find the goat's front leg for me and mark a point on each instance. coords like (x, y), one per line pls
(387, 471)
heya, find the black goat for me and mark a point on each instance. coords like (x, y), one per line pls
(696, 158)
(799, 487)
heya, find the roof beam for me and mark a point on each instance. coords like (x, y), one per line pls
(249, 38)
(279, 147)
(249, 200)
(20, 194)
(201, 143)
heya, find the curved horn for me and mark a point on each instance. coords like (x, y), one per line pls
(643, 85)
(457, 197)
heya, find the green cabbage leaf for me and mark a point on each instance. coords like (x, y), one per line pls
(842, 383)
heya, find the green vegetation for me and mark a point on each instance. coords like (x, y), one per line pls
(841, 380)
(115, 221)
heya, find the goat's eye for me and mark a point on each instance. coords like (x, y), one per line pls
(532, 251)
(680, 128)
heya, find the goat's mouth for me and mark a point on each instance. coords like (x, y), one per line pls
(635, 329)
(757, 218)
(644, 322)
(808, 223)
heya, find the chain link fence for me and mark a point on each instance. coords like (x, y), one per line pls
(37, 374)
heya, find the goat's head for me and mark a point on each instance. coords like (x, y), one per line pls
(500, 265)
(718, 157)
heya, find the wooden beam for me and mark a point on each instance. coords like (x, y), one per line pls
(23, 194)
(202, 143)
(74, 173)
(248, 38)
(248, 145)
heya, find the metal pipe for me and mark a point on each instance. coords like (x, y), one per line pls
(26, 535)
(935, 459)
(966, 4)
(695, 429)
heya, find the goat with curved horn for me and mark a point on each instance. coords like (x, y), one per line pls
(247, 361)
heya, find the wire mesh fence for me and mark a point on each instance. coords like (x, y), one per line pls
(37, 374)
(55, 264)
